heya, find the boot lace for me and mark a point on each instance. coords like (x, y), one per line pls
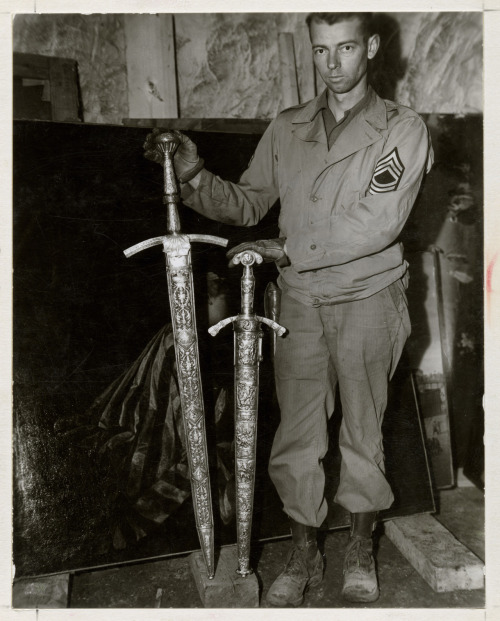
(296, 565)
(358, 555)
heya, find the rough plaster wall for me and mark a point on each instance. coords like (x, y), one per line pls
(444, 67)
(228, 64)
(97, 43)
(229, 67)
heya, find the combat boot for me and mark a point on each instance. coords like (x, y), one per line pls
(303, 568)
(360, 578)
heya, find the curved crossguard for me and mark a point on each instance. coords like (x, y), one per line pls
(247, 258)
(247, 355)
(177, 249)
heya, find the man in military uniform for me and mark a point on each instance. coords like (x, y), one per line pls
(346, 167)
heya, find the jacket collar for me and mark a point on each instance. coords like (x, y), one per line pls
(362, 131)
(310, 123)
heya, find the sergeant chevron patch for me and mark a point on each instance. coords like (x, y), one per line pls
(387, 174)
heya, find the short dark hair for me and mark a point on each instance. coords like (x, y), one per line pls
(366, 20)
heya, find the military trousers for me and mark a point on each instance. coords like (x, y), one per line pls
(353, 347)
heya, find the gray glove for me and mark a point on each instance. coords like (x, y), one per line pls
(187, 162)
(269, 249)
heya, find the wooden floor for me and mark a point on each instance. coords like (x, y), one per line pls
(169, 583)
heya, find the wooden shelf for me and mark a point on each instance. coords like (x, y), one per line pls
(225, 126)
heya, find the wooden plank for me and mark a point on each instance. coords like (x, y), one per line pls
(227, 589)
(151, 66)
(64, 99)
(43, 592)
(442, 561)
(31, 66)
(224, 126)
(289, 85)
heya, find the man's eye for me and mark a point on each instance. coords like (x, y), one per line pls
(347, 48)
(319, 51)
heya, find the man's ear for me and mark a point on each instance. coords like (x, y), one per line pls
(373, 45)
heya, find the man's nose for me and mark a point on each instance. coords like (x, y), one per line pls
(333, 60)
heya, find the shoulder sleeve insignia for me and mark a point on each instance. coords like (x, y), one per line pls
(387, 173)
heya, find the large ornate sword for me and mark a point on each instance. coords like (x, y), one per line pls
(247, 356)
(177, 249)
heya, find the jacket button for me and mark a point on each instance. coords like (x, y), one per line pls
(313, 246)
(314, 198)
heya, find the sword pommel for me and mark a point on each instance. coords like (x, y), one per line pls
(167, 142)
(247, 258)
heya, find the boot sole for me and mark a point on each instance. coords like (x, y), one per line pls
(366, 598)
(297, 602)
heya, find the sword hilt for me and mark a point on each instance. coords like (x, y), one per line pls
(280, 330)
(247, 258)
(166, 144)
(221, 324)
(178, 243)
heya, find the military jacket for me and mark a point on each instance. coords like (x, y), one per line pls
(342, 209)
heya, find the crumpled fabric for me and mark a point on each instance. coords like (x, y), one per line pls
(138, 429)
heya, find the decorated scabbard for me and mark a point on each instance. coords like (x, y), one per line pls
(247, 356)
(177, 249)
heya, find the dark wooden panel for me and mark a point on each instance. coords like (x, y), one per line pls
(31, 66)
(64, 90)
(83, 313)
(61, 78)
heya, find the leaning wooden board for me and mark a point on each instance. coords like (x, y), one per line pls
(428, 354)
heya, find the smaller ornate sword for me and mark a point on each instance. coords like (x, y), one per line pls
(177, 249)
(247, 356)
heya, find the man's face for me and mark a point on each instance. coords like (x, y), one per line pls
(341, 53)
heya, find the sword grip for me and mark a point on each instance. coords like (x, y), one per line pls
(166, 144)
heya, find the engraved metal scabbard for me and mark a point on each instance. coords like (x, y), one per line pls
(272, 308)
(177, 249)
(247, 356)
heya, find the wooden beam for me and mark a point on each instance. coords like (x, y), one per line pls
(442, 561)
(227, 589)
(151, 66)
(43, 592)
(289, 85)
(224, 126)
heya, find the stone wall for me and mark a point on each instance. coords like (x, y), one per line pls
(228, 64)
